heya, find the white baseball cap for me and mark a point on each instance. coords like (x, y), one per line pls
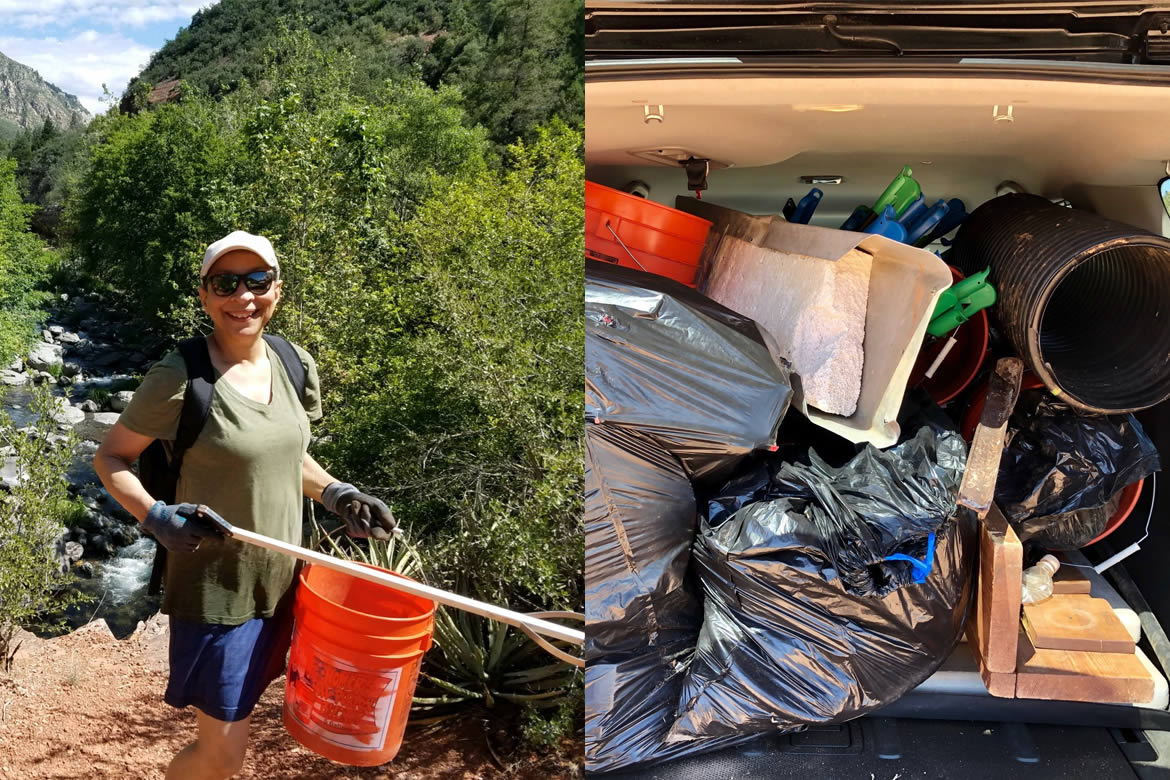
(239, 239)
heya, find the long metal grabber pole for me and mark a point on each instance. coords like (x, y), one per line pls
(481, 608)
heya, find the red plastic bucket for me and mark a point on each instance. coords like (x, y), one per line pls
(356, 651)
(665, 241)
(1129, 495)
(961, 366)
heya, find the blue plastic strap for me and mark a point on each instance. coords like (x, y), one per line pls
(920, 568)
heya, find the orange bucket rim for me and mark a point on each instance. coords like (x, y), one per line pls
(428, 615)
(426, 630)
(404, 657)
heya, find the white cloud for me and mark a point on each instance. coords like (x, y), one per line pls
(135, 13)
(80, 64)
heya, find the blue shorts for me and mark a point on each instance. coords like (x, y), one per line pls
(223, 670)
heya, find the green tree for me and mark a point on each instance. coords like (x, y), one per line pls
(24, 265)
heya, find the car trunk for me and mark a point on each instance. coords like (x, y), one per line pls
(1091, 133)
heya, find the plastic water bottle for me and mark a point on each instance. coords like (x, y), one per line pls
(1038, 580)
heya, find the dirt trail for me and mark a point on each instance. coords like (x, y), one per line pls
(86, 705)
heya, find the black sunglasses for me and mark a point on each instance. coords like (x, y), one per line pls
(226, 284)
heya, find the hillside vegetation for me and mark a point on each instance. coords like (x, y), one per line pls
(518, 63)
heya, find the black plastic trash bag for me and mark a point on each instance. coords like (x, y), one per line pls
(1056, 462)
(837, 594)
(1069, 531)
(629, 706)
(696, 376)
(640, 519)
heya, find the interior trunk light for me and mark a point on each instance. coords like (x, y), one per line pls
(841, 108)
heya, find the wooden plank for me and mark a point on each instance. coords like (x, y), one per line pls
(1075, 621)
(1071, 675)
(1001, 684)
(1070, 580)
(996, 624)
(977, 490)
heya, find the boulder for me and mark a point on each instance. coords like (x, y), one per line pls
(16, 365)
(64, 381)
(70, 368)
(67, 414)
(56, 330)
(100, 546)
(94, 522)
(118, 511)
(96, 425)
(73, 552)
(13, 378)
(44, 356)
(120, 400)
(46, 336)
(83, 569)
(111, 358)
(41, 377)
(8, 473)
(90, 406)
(69, 337)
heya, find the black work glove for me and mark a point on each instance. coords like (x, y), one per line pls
(364, 516)
(175, 526)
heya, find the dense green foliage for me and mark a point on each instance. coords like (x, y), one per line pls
(438, 290)
(518, 62)
(31, 513)
(24, 264)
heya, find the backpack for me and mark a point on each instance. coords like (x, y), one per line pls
(160, 477)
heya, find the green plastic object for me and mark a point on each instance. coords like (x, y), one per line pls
(903, 191)
(960, 302)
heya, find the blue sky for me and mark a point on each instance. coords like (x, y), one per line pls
(79, 45)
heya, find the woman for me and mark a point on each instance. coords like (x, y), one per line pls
(229, 603)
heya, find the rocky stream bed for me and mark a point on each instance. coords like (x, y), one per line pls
(90, 360)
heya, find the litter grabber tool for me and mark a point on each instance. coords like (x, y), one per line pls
(960, 302)
(802, 212)
(955, 306)
(900, 194)
(533, 625)
(887, 225)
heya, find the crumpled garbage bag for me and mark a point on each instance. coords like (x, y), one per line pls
(1057, 462)
(694, 375)
(640, 520)
(629, 706)
(832, 594)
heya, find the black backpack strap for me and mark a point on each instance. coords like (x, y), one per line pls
(196, 408)
(196, 399)
(293, 368)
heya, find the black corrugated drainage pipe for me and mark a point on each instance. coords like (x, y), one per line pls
(1084, 300)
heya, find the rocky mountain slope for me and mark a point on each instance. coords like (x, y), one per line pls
(27, 100)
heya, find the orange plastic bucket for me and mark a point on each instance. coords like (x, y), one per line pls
(356, 651)
(664, 241)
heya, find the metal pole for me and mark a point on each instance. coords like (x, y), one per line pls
(481, 608)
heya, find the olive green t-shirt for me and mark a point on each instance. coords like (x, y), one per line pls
(246, 465)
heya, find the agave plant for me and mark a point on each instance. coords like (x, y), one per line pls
(397, 554)
(482, 660)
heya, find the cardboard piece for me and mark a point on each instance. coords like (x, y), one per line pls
(907, 282)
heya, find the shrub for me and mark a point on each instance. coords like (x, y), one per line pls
(31, 514)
